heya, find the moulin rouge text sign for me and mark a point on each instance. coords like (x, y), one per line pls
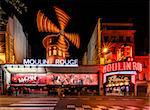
(123, 66)
(58, 62)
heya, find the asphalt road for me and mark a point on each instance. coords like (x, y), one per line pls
(74, 103)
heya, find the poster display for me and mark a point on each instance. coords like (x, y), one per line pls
(28, 79)
(55, 79)
(72, 79)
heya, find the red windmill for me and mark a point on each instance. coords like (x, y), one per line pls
(56, 44)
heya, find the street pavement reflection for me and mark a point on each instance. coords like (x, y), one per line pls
(74, 103)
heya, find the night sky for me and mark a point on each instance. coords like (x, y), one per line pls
(84, 14)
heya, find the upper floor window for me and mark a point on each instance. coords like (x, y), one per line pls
(117, 39)
(105, 38)
(113, 38)
(128, 39)
(121, 38)
(114, 50)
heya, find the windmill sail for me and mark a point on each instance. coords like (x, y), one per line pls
(61, 38)
(45, 25)
(63, 18)
(74, 38)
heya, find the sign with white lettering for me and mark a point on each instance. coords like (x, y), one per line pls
(123, 66)
(55, 79)
(58, 62)
(28, 78)
(117, 79)
(123, 73)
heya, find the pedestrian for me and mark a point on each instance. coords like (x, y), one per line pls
(59, 92)
(17, 91)
(9, 91)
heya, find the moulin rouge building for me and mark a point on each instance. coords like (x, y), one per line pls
(112, 68)
(41, 76)
(112, 47)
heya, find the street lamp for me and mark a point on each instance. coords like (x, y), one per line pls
(105, 50)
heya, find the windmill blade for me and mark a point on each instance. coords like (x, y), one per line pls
(62, 43)
(45, 25)
(74, 38)
(63, 46)
(63, 18)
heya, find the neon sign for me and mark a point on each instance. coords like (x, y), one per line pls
(55, 79)
(27, 79)
(123, 66)
(34, 61)
(131, 73)
(44, 62)
(118, 79)
(66, 62)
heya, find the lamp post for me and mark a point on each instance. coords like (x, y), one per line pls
(104, 51)
(99, 32)
(101, 51)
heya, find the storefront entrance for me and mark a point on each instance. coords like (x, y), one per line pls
(141, 90)
(119, 85)
(48, 84)
(70, 90)
(27, 90)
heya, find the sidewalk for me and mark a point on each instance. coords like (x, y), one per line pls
(38, 96)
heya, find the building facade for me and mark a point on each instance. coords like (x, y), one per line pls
(46, 79)
(112, 47)
(143, 79)
(113, 37)
(14, 43)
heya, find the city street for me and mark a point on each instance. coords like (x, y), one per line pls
(74, 103)
(74, 55)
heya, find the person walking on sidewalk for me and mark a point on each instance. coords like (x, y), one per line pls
(60, 92)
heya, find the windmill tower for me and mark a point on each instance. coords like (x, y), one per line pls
(57, 42)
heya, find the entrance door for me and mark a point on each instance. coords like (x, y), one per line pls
(141, 90)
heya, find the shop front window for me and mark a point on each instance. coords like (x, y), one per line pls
(118, 85)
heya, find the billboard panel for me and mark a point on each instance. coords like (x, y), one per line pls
(55, 79)
(28, 79)
(72, 79)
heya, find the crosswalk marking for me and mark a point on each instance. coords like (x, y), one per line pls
(44, 98)
(102, 107)
(33, 104)
(146, 107)
(117, 107)
(38, 101)
(51, 103)
(70, 106)
(132, 108)
(86, 106)
(79, 108)
(112, 109)
(98, 107)
(27, 108)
